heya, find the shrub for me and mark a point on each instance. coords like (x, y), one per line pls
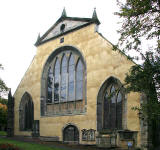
(7, 146)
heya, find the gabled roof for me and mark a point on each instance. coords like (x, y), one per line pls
(65, 25)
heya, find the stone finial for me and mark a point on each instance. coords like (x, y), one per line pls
(64, 14)
(38, 39)
(94, 17)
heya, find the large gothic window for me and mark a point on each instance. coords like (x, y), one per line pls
(64, 83)
(110, 105)
(26, 113)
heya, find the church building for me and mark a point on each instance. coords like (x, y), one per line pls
(73, 89)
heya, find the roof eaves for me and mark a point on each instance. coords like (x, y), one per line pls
(117, 48)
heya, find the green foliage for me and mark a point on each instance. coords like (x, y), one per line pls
(3, 118)
(3, 112)
(141, 20)
(145, 79)
(3, 87)
(3, 101)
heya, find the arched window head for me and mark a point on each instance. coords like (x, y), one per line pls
(65, 83)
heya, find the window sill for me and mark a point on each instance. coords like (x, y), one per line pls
(64, 102)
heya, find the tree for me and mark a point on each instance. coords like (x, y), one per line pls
(141, 21)
(3, 102)
(3, 115)
(3, 87)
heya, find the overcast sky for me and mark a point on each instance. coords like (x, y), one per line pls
(22, 20)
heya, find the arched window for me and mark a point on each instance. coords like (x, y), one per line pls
(65, 83)
(110, 105)
(26, 113)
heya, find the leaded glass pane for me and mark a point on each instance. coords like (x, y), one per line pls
(64, 61)
(64, 79)
(71, 79)
(56, 80)
(79, 75)
(50, 82)
(113, 95)
(106, 111)
(80, 65)
(71, 91)
(63, 92)
(119, 110)
(113, 109)
(119, 97)
(79, 81)
(56, 92)
(79, 90)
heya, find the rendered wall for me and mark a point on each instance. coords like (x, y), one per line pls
(102, 62)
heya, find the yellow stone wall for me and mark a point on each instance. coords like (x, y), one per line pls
(102, 62)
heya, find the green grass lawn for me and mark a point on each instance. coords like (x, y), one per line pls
(27, 146)
(3, 133)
